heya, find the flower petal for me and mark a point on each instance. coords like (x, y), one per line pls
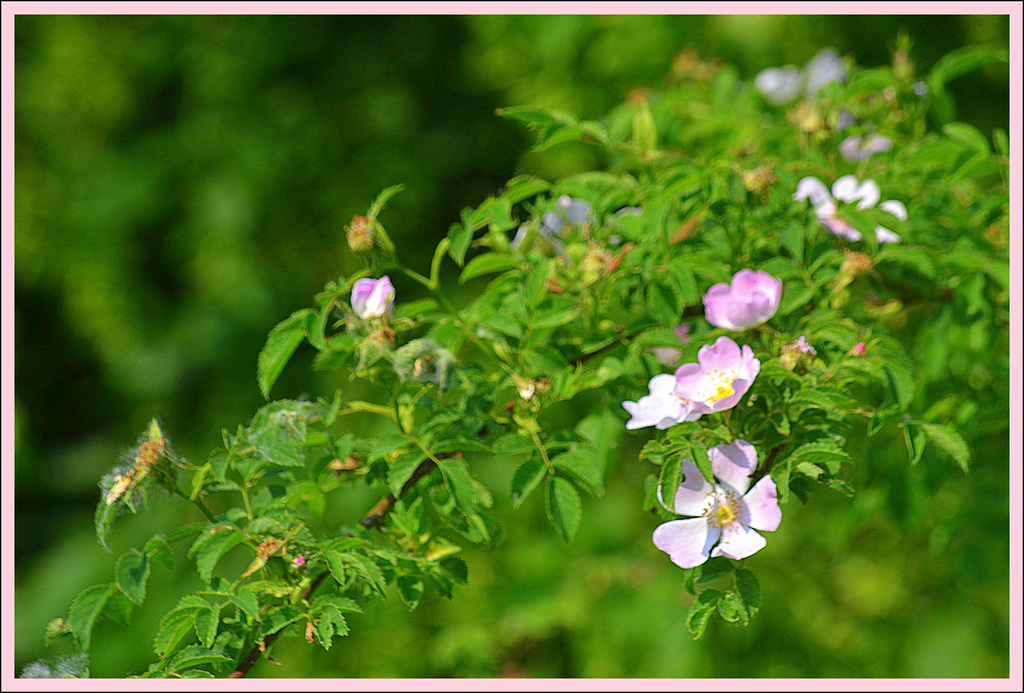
(733, 463)
(884, 235)
(687, 542)
(739, 541)
(869, 194)
(692, 495)
(761, 506)
(845, 189)
(895, 208)
(723, 354)
(813, 189)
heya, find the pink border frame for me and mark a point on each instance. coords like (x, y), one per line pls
(11, 9)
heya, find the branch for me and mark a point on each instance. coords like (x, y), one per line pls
(374, 518)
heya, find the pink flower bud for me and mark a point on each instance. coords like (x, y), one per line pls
(751, 299)
(373, 298)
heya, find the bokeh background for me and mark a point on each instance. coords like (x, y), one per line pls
(182, 184)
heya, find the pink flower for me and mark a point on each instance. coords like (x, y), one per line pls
(373, 298)
(722, 375)
(859, 349)
(299, 561)
(723, 513)
(662, 408)
(848, 189)
(751, 299)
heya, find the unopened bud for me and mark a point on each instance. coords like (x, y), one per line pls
(359, 234)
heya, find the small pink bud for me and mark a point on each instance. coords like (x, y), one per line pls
(859, 349)
(299, 561)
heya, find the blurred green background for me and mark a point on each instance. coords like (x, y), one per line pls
(182, 184)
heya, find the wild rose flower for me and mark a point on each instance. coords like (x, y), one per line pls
(848, 189)
(751, 299)
(795, 353)
(662, 408)
(722, 375)
(858, 148)
(373, 298)
(723, 513)
(780, 85)
(784, 85)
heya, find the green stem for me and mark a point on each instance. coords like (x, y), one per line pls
(198, 503)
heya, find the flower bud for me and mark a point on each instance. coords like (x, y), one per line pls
(359, 234)
(373, 298)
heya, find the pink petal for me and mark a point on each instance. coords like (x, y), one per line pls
(723, 355)
(692, 496)
(687, 542)
(739, 541)
(762, 506)
(734, 463)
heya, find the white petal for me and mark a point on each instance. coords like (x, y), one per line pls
(734, 463)
(895, 208)
(687, 542)
(811, 187)
(845, 188)
(869, 194)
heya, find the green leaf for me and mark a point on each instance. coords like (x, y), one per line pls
(194, 656)
(367, 569)
(118, 608)
(749, 590)
(967, 135)
(459, 483)
(206, 623)
(246, 602)
(671, 478)
(411, 590)
(281, 343)
(526, 477)
(949, 441)
(131, 573)
(210, 548)
(455, 568)
(584, 468)
(402, 469)
(331, 624)
(523, 187)
(84, 610)
(487, 263)
(961, 61)
(714, 568)
(732, 609)
(159, 551)
(177, 624)
(916, 440)
(382, 199)
(459, 236)
(700, 612)
(563, 507)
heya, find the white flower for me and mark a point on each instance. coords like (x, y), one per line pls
(848, 189)
(662, 408)
(784, 85)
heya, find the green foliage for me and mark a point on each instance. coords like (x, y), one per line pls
(574, 315)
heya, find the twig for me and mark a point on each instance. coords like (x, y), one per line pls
(376, 515)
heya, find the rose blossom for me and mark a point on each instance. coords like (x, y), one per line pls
(723, 509)
(662, 408)
(848, 189)
(722, 375)
(751, 299)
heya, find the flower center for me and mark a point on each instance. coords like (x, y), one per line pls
(723, 510)
(719, 384)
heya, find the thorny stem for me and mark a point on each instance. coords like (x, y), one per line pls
(373, 519)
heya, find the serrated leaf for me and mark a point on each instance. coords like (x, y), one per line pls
(822, 454)
(700, 612)
(749, 590)
(401, 470)
(526, 477)
(671, 479)
(949, 441)
(131, 573)
(331, 624)
(118, 608)
(176, 624)
(194, 656)
(583, 467)
(367, 569)
(522, 187)
(732, 609)
(84, 610)
(455, 568)
(564, 508)
(206, 623)
(459, 483)
(246, 602)
(210, 548)
(410, 588)
(488, 263)
(281, 343)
